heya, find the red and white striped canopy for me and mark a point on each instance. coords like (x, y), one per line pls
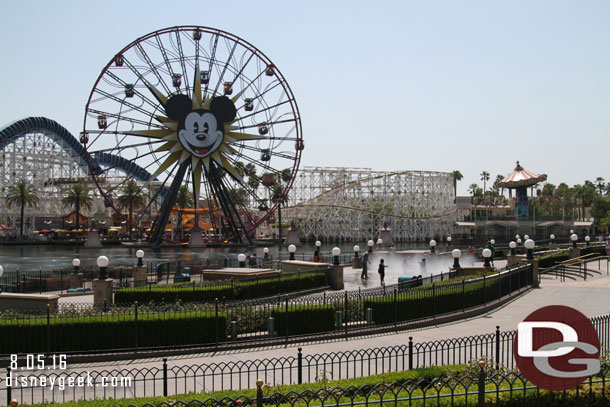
(521, 178)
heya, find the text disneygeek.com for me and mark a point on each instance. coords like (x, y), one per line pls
(63, 382)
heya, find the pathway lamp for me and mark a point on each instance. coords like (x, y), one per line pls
(370, 243)
(574, 239)
(519, 241)
(449, 241)
(140, 256)
(492, 241)
(102, 263)
(552, 238)
(517, 237)
(356, 250)
(487, 256)
(266, 253)
(241, 258)
(456, 253)
(529, 246)
(433, 246)
(379, 242)
(76, 265)
(513, 246)
(318, 244)
(587, 240)
(336, 253)
(526, 237)
(291, 249)
(571, 231)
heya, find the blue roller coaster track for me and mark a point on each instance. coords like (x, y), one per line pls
(63, 137)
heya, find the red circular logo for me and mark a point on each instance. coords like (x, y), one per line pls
(556, 348)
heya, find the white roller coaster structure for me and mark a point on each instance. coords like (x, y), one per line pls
(351, 204)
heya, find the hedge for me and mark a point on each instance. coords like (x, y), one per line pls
(438, 299)
(192, 292)
(304, 319)
(102, 332)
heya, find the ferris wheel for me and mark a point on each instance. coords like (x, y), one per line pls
(196, 109)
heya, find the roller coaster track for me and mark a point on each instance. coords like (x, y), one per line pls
(63, 137)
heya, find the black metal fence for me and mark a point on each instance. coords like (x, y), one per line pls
(167, 379)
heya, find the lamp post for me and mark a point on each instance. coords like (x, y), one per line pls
(456, 253)
(587, 240)
(379, 242)
(433, 246)
(574, 239)
(492, 241)
(102, 263)
(486, 255)
(517, 237)
(512, 246)
(370, 243)
(318, 244)
(519, 241)
(356, 250)
(449, 241)
(552, 239)
(291, 249)
(266, 253)
(76, 265)
(241, 258)
(140, 256)
(526, 237)
(529, 246)
(336, 253)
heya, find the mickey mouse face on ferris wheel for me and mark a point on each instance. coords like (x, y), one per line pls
(200, 131)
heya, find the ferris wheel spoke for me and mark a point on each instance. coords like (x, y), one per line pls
(185, 74)
(269, 123)
(266, 109)
(122, 102)
(216, 37)
(144, 98)
(224, 69)
(151, 65)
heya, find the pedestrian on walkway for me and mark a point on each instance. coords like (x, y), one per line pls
(365, 263)
(382, 271)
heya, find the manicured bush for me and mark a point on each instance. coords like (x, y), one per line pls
(233, 290)
(304, 319)
(100, 332)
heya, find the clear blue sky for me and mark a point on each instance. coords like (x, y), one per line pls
(404, 85)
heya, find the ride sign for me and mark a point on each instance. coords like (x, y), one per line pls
(557, 348)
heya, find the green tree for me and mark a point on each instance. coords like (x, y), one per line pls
(184, 199)
(457, 176)
(484, 178)
(77, 197)
(600, 184)
(22, 194)
(131, 198)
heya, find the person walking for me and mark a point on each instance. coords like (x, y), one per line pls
(382, 271)
(365, 263)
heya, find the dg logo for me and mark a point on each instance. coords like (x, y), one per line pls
(557, 348)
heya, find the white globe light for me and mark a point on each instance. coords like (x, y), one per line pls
(140, 254)
(517, 236)
(552, 237)
(379, 241)
(241, 257)
(456, 253)
(102, 261)
(512, 245)
(292, 248)
(492, 241)
(370, 243)
(318, 243)
(587, 238)
(526, 237)
(356, 248)
(574, 237)
(1, 271)
(571, 231)
(266, 250)
(518, 241)
(75, 262)
(432, 243)
(529, 244)
(486, 253)
(448, 238)
(336, 251)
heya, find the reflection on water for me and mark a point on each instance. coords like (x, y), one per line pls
(49, 257)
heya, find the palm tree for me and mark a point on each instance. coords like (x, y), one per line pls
(77, 197)
(457, 176)
(22, 194)
(600, 184)
(183, 199)
(484, 178)
(131, 198)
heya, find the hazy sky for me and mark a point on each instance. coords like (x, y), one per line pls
(404, 85)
